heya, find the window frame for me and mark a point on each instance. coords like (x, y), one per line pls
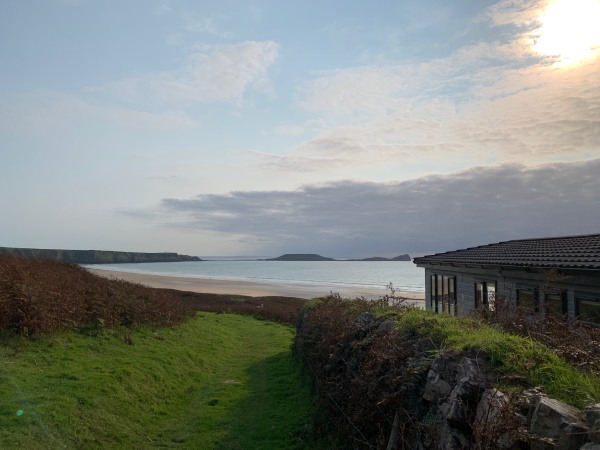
(564, 303)
(589, 297)
(442, 294)
(482, 294)
(535, 292)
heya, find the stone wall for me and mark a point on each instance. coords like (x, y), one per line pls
(466, 411)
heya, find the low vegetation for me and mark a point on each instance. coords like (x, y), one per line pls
(40, 296)
(90, 362)
(220, 381)
(367, 361)
(563, 336)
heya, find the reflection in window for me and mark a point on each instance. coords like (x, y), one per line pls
(555, 303)
(432, 291)
(485, 295)
(526, 298)
(443, 294)
(588, 306)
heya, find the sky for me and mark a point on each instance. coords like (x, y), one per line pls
(265, 127)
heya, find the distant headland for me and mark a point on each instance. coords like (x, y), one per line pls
(315, 257)
(96, 256)
(300, 257)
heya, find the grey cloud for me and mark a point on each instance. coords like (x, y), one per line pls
(476, 206)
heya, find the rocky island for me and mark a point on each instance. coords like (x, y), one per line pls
(315, 257)
(299, 257)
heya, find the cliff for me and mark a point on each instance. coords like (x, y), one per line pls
(96, 256)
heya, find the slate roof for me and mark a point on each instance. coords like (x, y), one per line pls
(566, 252)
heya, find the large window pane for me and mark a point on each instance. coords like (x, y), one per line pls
(588, 307)
(485, 295)
(452, 295)
(479, 294)
(491, 296)
(432, 292)
(554, 303)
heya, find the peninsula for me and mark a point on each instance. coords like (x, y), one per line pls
(96, 256)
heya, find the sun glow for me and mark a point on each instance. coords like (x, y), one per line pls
(570, 31)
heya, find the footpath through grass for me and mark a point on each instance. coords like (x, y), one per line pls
(221, 381)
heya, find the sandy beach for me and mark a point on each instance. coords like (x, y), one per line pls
(254, 289)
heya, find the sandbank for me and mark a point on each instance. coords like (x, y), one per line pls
(250, 288)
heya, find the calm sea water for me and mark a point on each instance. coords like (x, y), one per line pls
(404, 275)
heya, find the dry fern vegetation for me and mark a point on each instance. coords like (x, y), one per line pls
(92, 363)
(41, 296)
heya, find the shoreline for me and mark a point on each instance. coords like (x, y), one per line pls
(249, 288)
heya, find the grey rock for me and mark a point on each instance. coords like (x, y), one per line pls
(491, 412)
(365, 319)
(551, 416)
(592, 419)
(590, 446)
(450, 438)
(490, 406)
(470, 381)
(539, 443)
(435, 388)
(572, 436)
(385, 327)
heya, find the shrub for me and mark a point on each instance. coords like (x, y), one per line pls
(41, 296)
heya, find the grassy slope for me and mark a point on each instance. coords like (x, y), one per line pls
(516, 357)
(217, 381)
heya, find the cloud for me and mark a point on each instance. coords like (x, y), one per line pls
(223, 73)
(475, 206)
(487, 101)
(206, 25)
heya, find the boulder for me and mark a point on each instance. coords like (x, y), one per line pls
(592, 419)
(386, 327)
(590, 446)
(365, 319)
(572, 436)
(435, 388)
(551, 416)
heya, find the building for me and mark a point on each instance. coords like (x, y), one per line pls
(557, 275)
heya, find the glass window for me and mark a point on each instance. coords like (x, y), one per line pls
(485, 295)
(526, 298)
(555, 303)
(432, 291)
(479, 293)
(588, 306)
(442, 296)
(491, 296)
(452, 295)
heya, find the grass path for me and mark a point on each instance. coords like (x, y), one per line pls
(215, 382)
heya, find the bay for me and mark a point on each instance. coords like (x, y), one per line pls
(404, 275)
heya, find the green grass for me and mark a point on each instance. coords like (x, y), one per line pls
(516, 357)
(217, 381)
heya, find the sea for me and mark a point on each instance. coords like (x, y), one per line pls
(403, 275)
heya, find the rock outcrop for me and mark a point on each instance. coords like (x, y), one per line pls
(386, 390)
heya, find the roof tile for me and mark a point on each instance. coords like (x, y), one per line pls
(581, 252)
